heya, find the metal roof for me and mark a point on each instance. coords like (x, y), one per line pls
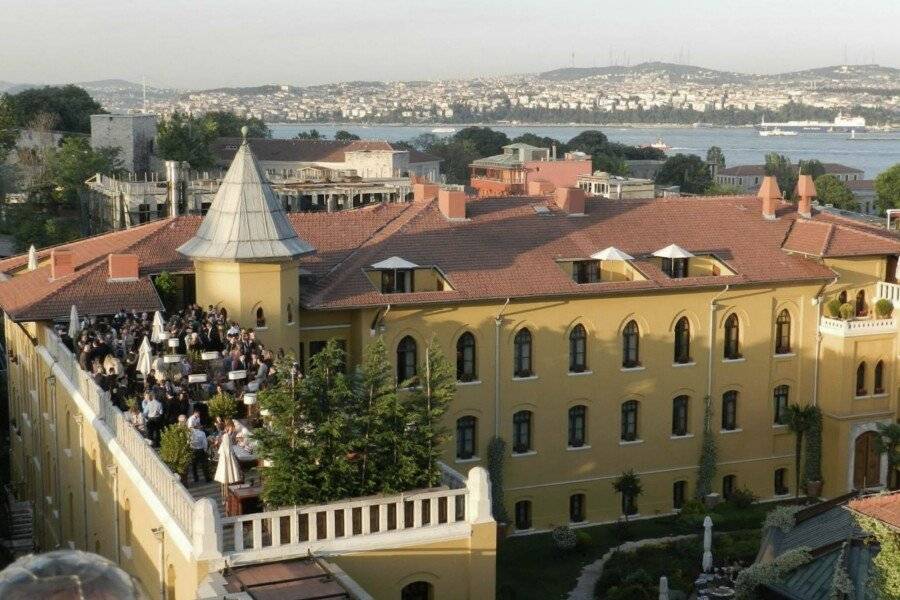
(246, 221)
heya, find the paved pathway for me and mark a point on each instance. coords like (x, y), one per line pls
(584, 588)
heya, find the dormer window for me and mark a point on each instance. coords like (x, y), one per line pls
(586, 271)
(397, 275)
(674, 261)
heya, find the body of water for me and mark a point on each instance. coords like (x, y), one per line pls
(740, 145)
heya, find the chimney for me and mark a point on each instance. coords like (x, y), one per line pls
(62, 263)
(770, 196)
(423, 192)
(123, 267)
(805, 192)
(570, 199)
(452, 203)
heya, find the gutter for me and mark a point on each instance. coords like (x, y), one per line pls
(818, 302)
(498, 322)
(712, 340)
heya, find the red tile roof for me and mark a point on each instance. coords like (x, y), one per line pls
(505, 248)
(883, 507)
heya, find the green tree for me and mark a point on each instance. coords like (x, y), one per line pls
(780, 166)
(485, 141)
(887, 188)
(590, 142)
(811, 167)
(724, 189)
(706, 470)
(312, 134)
(715, 156)
(186, 138)
(799, 421)
(70, 106)
(541, 142)
(831, 190)
(8, 127)
(685, 170)
(426, 404)
(69, 166)
(888, 443)
(456, 156)
(228, 124)
(628, 484)
(345, 135)
(612, 164)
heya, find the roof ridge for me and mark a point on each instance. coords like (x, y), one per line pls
(827, 242)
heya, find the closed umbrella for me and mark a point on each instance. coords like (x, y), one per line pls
(145, 357)
(74, 325)
(228, 470)
(158, 327)
(707, 545)
(663, 588)
(32, 258)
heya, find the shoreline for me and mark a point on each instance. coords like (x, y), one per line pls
(511, 125)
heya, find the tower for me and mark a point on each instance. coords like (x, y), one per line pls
(245, 255)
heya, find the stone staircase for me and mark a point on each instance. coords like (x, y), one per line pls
(18, 535)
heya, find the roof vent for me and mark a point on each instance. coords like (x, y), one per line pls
(422, 192)
(770, 196)
(570, 199)
(62, 263)
(452, 203)
(123, 267)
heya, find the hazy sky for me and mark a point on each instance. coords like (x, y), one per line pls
(201, 43)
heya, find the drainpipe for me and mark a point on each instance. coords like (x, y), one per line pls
(79, 420)
(712, 342)
(498, 322)
(160, 534)
(113, 471)
(818, 301)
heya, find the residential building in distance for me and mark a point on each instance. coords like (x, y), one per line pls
(615, 187)
(133, 134)
(644, 168)
(864, 192)
(750, 177)
(523, 168)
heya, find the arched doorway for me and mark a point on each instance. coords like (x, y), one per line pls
(417, 590)
(866, 461)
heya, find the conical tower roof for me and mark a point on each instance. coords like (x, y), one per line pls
(245, 222)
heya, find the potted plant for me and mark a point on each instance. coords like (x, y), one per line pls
(847, 311)
(888, 442)
(222, 406)
(628, 484)
(175, 449)
(834, 308)
(884, 308)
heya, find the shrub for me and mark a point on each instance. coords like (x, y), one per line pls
(629, 592)
(742, 498)
(834, 308)
(884, 307)
(769, 572)
(583, 541)
(496, 452)
(132, 401)
(564, 538)
(223, 406)
(782, 517)
(175, 449)
(847, 311)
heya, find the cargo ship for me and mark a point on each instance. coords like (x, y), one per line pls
(841, 124)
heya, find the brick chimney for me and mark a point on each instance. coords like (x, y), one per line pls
(770, 196)
(123, 266)
(452, 203)
(422, 192)
(62, 263)
(570, 199)
(805, 192)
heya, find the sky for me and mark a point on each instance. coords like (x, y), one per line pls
(205, 43)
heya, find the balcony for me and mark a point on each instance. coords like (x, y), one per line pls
(857, 327)
(889, 291)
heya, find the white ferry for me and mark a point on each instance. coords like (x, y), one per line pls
(777, 131)
(841, 124)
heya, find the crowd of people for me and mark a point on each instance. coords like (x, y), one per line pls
(192, 341)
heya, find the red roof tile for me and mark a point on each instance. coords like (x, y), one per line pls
(883, 507)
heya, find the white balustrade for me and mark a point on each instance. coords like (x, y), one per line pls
(888, 291)
(857, 327)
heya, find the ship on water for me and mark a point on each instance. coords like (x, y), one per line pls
(841, 124)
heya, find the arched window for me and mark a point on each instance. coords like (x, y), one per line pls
(406, 360)
(465, 437)
(629, 421)
(631, 345)
(780, 398)
(417, 590)
(680, 415)
(729, 410)
(578, 350)
(729, 483)
(577, 426)
(576, 508)
(465, 358)
(783, 333)
(861, 379)
(879, 378)
(732, 337)
(861, 309)
(523, 515)
(522, 431)
(260, 317)
(290, 313)
(781, 487)
(679, 491)
(522, 342)
(842, 297)
(683, 341)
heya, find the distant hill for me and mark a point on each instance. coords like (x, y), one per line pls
(842, 72)
(109, 84)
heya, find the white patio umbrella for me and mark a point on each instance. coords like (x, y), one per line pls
(663, 588)
(32, 258)
(158, 327)
(673, 251)
(145, 356)
(228, 470)
(611, 253)
(74, 324)
(707, 545)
